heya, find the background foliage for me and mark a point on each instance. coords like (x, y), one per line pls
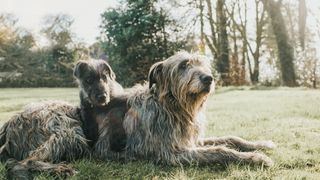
(25, 65)
(137, 35)
(254, 42)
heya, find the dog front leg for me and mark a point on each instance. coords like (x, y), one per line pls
(221, 155)
(237, 143)
(25, 169)
(102, 149)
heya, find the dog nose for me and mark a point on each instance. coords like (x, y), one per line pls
(206, 79)
(102, 97)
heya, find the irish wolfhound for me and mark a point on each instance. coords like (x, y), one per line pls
(164, 122)
(95, 97)
(97, 86)
(52, 132)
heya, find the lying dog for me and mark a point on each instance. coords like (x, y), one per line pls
(163, 122)
(45, 134)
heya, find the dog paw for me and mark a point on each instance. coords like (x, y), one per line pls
(64, 170)
(10, 163)
(266, 144)
(261, 159)
(16, 170)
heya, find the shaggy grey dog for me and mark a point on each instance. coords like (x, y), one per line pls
(45, 134)
(164, 122)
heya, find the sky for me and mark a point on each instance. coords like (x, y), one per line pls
(86, 14)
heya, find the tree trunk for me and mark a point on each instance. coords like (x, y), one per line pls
(314, 80)
(202, 44)
(256, 54)
(223, 65)
(245, 46)
(302, 21)
(285, 50)
(235, 70)
(212, 44)
(255, 75)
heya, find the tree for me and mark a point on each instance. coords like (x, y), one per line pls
(285, 50)
(217, 38)
(211, 39)
(260, 21)
(57, 29)
(8, 33)
(26, 39)
(302, 21)
(9, 51)
(223, 64)
(136, 36)
(202, 35)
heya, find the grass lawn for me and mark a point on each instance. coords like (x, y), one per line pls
(289, 117)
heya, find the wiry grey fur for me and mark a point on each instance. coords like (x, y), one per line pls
(165, 120)
(51, 132)
(45, 132)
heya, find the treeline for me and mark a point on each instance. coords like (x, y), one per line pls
(260, 41)
(254, 42)
(138, 34)
(24, 64)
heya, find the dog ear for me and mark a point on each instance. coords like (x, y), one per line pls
(109, 70)
(80, 66)
(154, 73)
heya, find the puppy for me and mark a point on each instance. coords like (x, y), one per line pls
(97, 87)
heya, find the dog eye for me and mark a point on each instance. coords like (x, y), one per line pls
(104, 76)
(89, 81)
(184, 65)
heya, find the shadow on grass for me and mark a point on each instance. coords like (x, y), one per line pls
(221, 90)
(94, 170)
(90, 169)
(263, 88)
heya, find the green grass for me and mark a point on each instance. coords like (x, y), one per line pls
(289, 117)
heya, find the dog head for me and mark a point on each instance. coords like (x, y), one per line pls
(186, 77)
(95, 78)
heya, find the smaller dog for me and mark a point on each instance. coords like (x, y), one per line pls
(97, 86)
